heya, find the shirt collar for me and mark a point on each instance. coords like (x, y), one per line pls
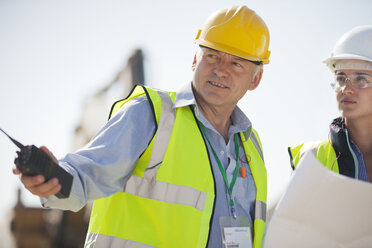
(185, 97)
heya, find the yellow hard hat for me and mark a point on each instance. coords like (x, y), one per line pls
(238, 31)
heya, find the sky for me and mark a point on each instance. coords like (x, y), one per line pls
(55, 54)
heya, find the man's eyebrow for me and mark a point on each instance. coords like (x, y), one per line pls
(241, 59)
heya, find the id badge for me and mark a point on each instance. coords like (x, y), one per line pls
(235, 233)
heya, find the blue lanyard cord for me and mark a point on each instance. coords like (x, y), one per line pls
(222, 170)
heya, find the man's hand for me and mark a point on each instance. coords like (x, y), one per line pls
(36, 184)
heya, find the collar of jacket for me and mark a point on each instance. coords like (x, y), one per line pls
(340, 141)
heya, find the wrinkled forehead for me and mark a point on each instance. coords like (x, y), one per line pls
(353, 64)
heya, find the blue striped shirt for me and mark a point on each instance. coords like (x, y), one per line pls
(362, 171)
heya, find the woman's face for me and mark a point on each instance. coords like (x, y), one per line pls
(355, 103)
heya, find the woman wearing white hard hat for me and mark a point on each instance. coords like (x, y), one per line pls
(348, 151)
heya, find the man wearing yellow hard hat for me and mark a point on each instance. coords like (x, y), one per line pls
(348, 149)
(179, 169)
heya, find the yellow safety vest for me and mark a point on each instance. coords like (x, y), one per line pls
(324, 150)
(169, 199)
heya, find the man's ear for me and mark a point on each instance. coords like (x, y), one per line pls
(256, 80)
(193, 66)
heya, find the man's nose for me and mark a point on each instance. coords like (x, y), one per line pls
(221, 68)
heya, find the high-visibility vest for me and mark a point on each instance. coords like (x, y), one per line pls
(324, 151)
(169, 199)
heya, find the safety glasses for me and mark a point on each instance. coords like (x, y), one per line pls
(358, 80)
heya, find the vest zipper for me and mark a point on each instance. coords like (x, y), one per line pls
(356, 163)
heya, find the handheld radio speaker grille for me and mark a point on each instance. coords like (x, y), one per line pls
(33, 161)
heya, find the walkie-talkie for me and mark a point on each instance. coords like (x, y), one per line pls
(33, 161)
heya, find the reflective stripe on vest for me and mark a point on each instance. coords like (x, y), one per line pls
(324, 151)
(168, 205)
(95, 240)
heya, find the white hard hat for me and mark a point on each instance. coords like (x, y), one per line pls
(353, 45)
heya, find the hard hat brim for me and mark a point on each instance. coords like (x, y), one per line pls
(331, 62)
(231, 51)
(345, 56)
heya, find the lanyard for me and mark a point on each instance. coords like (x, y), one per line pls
(222, 170)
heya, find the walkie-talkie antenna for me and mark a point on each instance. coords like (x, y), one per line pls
(13, 140)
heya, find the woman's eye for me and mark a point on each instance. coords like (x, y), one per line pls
(361, 79)
(340, 79)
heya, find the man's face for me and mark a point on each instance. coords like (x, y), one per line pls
(221, 79)
(355, 103)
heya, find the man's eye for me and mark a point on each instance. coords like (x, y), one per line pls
(237, 64)
(210, 55)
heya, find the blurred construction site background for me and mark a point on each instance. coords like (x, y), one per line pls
(35, 227)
